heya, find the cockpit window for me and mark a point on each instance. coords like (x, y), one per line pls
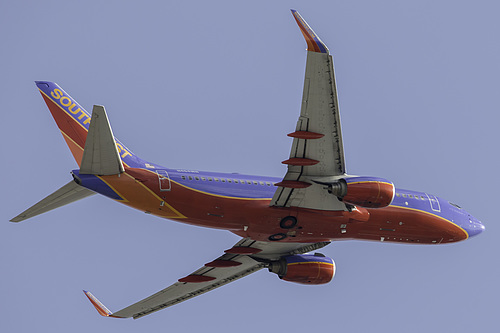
(455, 205)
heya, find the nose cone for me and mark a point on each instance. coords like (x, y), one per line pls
(474, 227)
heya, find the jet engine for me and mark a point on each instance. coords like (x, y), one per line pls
(304, 268)
(368, 192)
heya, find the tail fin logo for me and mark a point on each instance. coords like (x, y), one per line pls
(122, 151)
(59, 100)
(69, 105)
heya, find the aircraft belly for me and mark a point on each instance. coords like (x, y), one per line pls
(250, 217)
(400, 224)
(392, 224)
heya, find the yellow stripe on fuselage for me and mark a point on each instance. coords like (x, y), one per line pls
(428, 213)
(179, 215)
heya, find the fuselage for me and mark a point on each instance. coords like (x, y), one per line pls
(240, 203)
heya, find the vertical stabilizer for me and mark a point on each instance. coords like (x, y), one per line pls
(100, 156)
(72, 119)
(74, 123)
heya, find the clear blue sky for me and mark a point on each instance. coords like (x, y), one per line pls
(214, 85)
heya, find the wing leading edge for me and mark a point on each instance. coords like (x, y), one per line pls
(317, 148)
(245, 257)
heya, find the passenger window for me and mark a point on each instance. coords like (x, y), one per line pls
(404, 195)
(197, 178)
(410, 196)
(190, 178)
(216, 179)
(223, 180)
(210, 179)
(235, 181)
(229, 181)
(398, 195)
(255, 183)
(183, 177)
(423, 198)
(249, 182)
(268, 183)
(203, 178)
(262, 183)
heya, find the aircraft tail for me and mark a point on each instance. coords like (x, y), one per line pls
(100, 155)
(74, 122)
(92, 143)
(69, 193)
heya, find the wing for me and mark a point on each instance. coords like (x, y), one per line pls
(246, 257)
(317, 149)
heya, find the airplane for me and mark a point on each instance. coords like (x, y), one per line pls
(281, 221)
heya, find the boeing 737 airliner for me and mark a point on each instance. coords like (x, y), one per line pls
(280, 220)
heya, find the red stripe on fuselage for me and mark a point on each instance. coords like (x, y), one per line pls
(256, 219)
(401, 224)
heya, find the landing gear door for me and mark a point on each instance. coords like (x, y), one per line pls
(164, 180)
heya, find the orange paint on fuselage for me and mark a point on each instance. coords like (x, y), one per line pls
(140, 196)
(256, 219)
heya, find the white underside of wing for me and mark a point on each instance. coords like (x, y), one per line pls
(181, 291)
(320, 115)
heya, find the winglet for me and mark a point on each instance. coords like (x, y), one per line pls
(314, 44)
(103, 311)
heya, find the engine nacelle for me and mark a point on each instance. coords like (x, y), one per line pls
(369, 192)
(304, 268)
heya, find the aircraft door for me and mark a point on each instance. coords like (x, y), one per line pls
(164, 180)
(435, 206)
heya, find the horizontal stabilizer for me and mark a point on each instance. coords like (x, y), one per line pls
(100, 156)
(69, 193)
